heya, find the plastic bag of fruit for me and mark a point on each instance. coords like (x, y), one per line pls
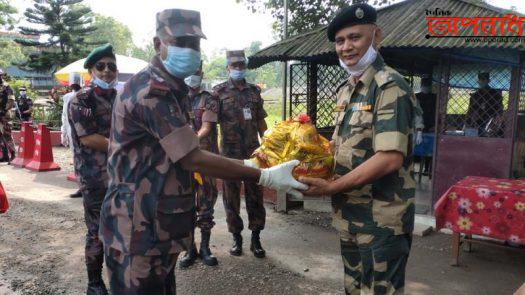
(296, 139)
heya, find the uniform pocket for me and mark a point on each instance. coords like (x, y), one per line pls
(175, 217)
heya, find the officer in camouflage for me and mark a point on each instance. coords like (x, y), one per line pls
(148, 214)
(90, 120)
(373, 191)
(25, 105)
(7, 100)
(203, 119)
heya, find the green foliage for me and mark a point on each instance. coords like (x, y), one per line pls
(10, 52)
(110, 30)
(16, 84)
(145, 53)
(6, 13)
(303, 15)
(66, 23)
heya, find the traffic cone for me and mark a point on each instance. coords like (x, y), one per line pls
(26, 147)
(43, 155)
(72, 177)
(4, 204)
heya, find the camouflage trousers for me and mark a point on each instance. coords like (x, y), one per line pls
(136, 274)
(374, 264)
(92, 203)
(206, 199)
(6, 140)
(253, 195)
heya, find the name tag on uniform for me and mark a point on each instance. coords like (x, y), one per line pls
(361, 107)
(247, 113)
(339, 108)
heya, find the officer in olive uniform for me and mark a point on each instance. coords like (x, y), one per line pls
(90, 120)
(485, 104)
(203, 119)
(25, 105)
(373, 191)
(7, 100)
(241, 119)
(148, 214)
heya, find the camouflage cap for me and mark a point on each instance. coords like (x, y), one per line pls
(235, 56)
(179, 23)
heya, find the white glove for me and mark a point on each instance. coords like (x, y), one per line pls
(64, 140)
(419, 137)
(280, 178)
(250, 163)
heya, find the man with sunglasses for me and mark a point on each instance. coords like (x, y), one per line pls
(148, 214)
(90, 120)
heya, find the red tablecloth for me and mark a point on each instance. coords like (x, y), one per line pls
(484, 206)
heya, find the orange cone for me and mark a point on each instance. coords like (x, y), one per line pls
(4, 204)
(43, 155)
(26, 147)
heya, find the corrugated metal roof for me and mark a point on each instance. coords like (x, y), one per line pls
(404, 25)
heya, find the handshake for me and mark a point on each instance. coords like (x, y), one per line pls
(280, 177)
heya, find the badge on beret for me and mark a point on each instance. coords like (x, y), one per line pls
(359, 13)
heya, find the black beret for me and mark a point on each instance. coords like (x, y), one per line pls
(357, 14)
(97, 54)
(485, 76)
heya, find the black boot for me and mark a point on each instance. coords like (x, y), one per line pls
(256, 246)
(189, 258)
(236, 249)
(205, 251)
(95, 283)
(77, 194)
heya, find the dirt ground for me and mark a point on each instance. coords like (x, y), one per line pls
(42, 238)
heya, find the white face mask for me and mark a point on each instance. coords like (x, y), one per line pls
(359, 68)
(103, 84)
(193, 81)
(425, 89)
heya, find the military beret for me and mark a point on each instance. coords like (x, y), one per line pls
(235, 56)
(22, 88)
(179, 23)
(484, 75)
(97, 54)
(357, 14)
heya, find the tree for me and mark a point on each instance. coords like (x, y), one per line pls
(65, 23)
(6, 13)
(108, 29)
(303, 15)
(145, 53)
(10, 53)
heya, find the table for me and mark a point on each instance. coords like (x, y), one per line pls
(483, 206)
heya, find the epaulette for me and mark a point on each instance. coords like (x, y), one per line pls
(341, 85)
(384, 78)
(82, 93)
(254, 86)
(220, 86)
(157, 88)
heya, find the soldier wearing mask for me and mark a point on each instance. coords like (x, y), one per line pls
(148, 214)
(485, 104)
(373, 191)
(7, 100)
(241, 119)
(203, 119)
(25, 105)
(90, 120)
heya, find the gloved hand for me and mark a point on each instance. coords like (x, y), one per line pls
(419, 137)
(64, 140)
(250, 163)
(280, 178)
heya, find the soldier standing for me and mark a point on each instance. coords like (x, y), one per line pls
(203, 118)
(25, 105)
(485, 104)
(241, 118)
(7, 100)
(148, 214)
(373, 191)
(90, 120)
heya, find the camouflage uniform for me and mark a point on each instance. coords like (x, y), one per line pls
(376, 220)
(90, 113)
(24, 103)
(148, 214)
(239, 139)
(6, 140)
(204, 109)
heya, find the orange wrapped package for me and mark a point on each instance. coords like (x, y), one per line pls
(296, 139)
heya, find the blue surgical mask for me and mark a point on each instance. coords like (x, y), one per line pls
(182, 62)
(103, 84)
(193, 81)
(237, 74)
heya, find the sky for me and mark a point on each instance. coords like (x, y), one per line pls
(227, 24)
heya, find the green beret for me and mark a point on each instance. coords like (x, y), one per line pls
(357, 14)
(97, 54)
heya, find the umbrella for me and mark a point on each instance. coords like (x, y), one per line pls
(127, 67)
